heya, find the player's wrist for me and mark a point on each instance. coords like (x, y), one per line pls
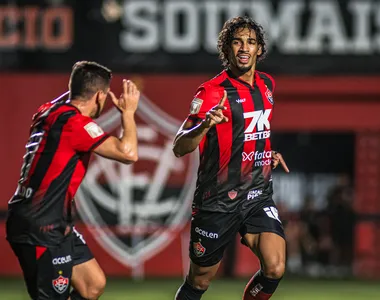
(205, 125)
(128, 113)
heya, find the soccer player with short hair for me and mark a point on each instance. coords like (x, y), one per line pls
(229, 121)
(52, 253)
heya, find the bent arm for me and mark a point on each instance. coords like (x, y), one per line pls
(122, 149)
(189, 137)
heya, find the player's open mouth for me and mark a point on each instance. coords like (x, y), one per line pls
(243, 59)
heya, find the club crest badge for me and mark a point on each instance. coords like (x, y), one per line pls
(60, 284)
(269, 96)
(198, 248)
(232, 194)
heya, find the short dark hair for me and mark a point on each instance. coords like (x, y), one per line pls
(228, 31)
(87, 78)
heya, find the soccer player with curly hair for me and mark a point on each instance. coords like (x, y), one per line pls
(230, 122)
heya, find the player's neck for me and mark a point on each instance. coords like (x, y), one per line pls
(248, 76)
(82, 106)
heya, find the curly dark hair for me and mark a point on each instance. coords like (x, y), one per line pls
(228, 31)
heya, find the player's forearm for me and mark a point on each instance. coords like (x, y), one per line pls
(187, 140)
(129, 137)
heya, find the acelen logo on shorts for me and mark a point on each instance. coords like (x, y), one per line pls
(61, 260)
(210, 235)
(260, 121)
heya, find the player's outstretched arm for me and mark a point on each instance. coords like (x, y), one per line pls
(123, 149)
(189, 136)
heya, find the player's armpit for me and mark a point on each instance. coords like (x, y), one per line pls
(113, 148)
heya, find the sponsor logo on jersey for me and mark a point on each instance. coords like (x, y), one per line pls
(260, 122)
(93, 130)
(261, 157)
(60, 284)
(195, 106)
(198, 249)
(210, 235)
(240, 100)
(254, 194)
(132, 211)
(232, 194)
(61, 260)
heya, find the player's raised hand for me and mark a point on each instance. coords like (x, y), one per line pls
(215, 115)
(129, 99)
(278, 159)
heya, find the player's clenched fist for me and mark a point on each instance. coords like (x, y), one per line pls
(215, 115)
(129, 99)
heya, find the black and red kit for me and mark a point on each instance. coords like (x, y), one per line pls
(235, 157)
(234, 185)
(40, 214)
(54, 165)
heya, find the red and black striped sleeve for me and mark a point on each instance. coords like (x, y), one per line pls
(201, 104)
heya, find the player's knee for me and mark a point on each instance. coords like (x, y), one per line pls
(201, 283)
(96, 289)
(275, 270)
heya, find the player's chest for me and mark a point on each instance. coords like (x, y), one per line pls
(249, 106)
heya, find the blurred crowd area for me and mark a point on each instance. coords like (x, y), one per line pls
(321, 240)
(316, 202)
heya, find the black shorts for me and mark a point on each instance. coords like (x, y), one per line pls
(47, 270)
(211, 232)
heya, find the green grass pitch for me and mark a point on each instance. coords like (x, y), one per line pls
(161, 289)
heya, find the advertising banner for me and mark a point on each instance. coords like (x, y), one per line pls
(161, 36)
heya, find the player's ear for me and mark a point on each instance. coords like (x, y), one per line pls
(260, 50)
(97, 96)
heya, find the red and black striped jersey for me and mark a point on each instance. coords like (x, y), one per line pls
(57, 155)
(235, 157)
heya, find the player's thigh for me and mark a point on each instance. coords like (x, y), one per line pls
(210, 234)
(272, 251)
(264, 234)
(47, 271)
(88, 277)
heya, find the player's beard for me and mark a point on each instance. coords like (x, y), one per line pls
(245, 68)
(242, 69)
